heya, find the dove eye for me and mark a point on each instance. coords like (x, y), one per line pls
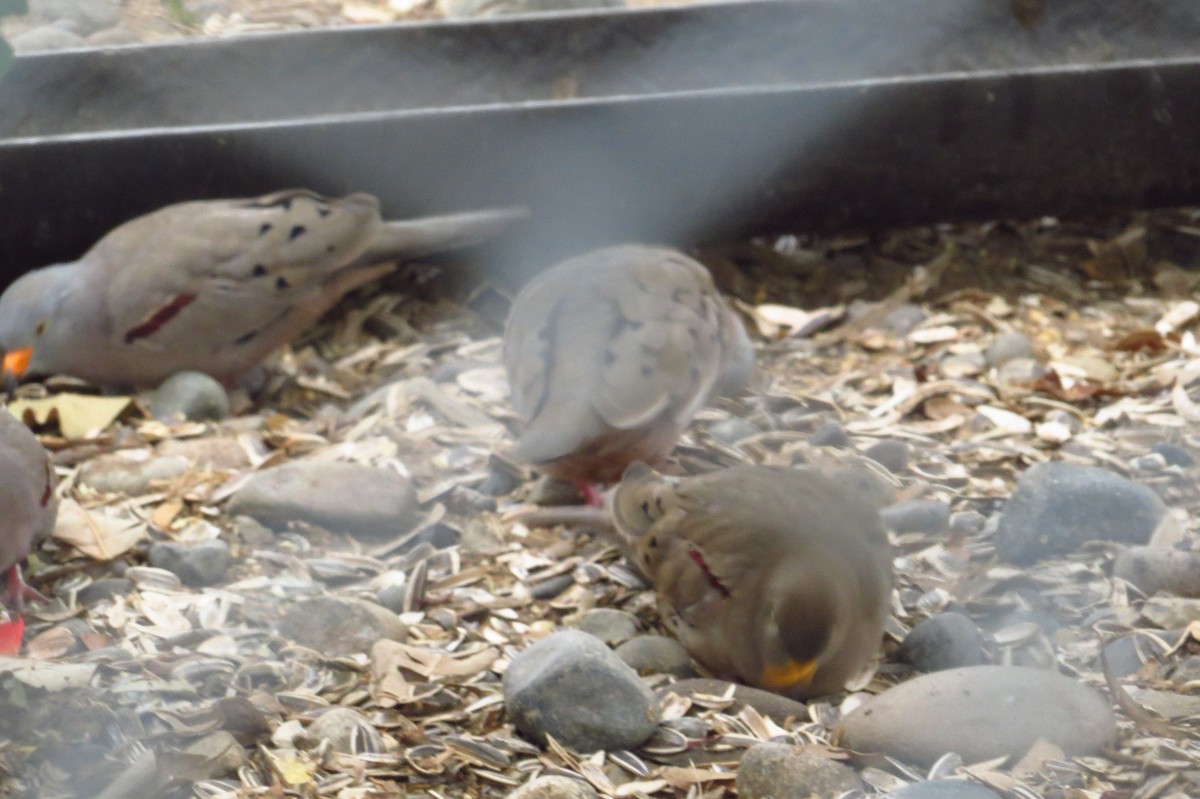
(41, 328)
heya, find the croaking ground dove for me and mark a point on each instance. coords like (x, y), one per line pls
(212, 286)
(28, 507)
(778, 578)
(611, 353)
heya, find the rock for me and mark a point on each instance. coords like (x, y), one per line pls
(982, 712)
(1148, 464)
(553, 787)
(1168, 704)
(552, 491)
(222, 753)
(731, 431)
(890, 453)
(944, 789)
(1020, 372)
(572, 686)
(338, 725)
(779, 708)
(551, 586)
(1187, 671)
(188, 396)
(89, 15)
(335, 625)
(44, 38)
(217, 453)
(967, 522)
(1174, 455)
(1152, 570)
(1127, 654)
(1009, 346)
(1057, 507)
(656, 654)
(944, 641)
(115, 473)
(391, 591)
(769, 770)
(342, 497)
(917, 516)
(609, 625)
(1171, 612)
(251, 533)
(830, 434)
(199, 564)
(102, 589)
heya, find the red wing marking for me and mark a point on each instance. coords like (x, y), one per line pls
(159, 318)
(48, 491)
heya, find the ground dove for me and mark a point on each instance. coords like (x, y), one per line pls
(212, 286)
(611, 353)
(27, 510)
(777, 578)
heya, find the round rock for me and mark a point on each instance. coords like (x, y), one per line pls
(1009, 346)
(1057, 507)
(338, 725)
(199, 564)
(944, 641)
(609, 625)
(572, 686)
(338, 625)
(1173, 455)
(779, 708)
(188, 396)
(112, 473)
(770, 770)
(944, 789)
(342, 497)
(102, 589)
(890, 453)
(981, 712)
(1154, 569)
(553, 787)
(830, 434)
(656, 654)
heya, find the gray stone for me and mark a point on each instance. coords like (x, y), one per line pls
(89, 15)
(1057, 507)
(830, 434)
(336, 625)
(609, 625)
(1174, 455)
(111, 473)
(102, 589)
(338, 726)
(891, 453)
(188, 396)
(553, 787)
(982, 712)
(393, 588)
(1020, 372)
(342, 497)
(199, 564)
(44, 38)
(770, 770)
(917, 516)
(220, 753)
(211, 453)
(572, 686)
(1154, 569)
(251, 533)
(967, 522)
(731, 431)
(779, 708)
(656, 654)
(1009, 346)
(1187, 671)
(944, 641)
(944, 789)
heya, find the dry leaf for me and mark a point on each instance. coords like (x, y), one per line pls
(76, 415)
(96, 534)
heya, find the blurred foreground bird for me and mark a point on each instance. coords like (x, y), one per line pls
(28, 508)
(777, 578)
(212, 286)
(611, 353)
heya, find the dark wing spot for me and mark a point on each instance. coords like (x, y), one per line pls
(259, 270)
(286, 203)
(159, 318)
(653, 541)
(646, 558)
(246, 338)
(330, 247)
(265, 228)
(646, 508)
(296, 232)
(658, 504)
(48, 491)
(323, 211)
(647, 371)
(281, 283)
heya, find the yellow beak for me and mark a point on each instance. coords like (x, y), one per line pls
(789, 674)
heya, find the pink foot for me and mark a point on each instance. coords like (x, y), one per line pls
(18, 591)
(593, 495)
(11, 633)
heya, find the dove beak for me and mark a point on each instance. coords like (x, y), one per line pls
(16, 363)
(789, 675)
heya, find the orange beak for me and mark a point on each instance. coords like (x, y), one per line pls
(789, 674)
(17, 362)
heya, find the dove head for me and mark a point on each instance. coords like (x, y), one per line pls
(30, 319)
(643, 497)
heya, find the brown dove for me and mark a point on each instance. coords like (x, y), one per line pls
(28, 505)
(212, 286)
(611, 353)
(777, 578)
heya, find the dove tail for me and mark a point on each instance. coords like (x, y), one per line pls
(432, 234)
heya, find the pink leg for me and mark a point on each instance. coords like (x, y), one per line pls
(17, 591)
(593, 495)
